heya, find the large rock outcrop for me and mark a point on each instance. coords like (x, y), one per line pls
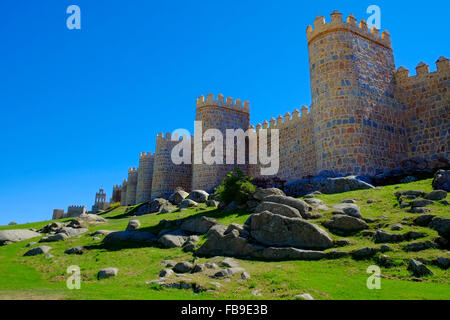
(274, 230)
(303, 208)
(154, 206)
(54, 238)
(199, 196)
(223, 241)
(382, 236)
(86, 220)
(107, 273)
(436, 195)
(172, 240)
(282, 254)
(325, 185)
(72, 232)
(37, 251)
(116, 238)
(278, 208)
(199, 225)
(345, 225)
(418, 268)
(188, 203)
(9, 236)
(442, 226)
(178, 196)
(261, 193)
(441, 180)
(52, 227)
(349, 209)
(133, 225)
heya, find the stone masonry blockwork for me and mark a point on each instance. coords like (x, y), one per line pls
(145, 178)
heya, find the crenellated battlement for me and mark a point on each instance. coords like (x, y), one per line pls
(288, 119)
(75, 211)
(132, 170)
(321, 27)
(222, 102)
(443, 64)
(169, 137)
(161, 137)
(145, 155)
(423, 70)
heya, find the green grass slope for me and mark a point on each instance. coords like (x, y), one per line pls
(41, 278)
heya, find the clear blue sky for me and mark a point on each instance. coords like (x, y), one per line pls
(77, 107)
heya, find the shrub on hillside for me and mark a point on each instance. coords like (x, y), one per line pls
(235, 187)
(114, 206)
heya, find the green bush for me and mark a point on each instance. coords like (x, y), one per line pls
(235, 187)
(114, 206)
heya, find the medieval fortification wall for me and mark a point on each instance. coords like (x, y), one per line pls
(426, 100)
(167, 176)
(218, 114)
(145, 177)
(132, 186)
(365, 118)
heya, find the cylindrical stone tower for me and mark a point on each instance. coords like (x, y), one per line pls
(145, 176)
(116, 195)
(357, 124)
(218, 114)
(132, 186)
(123, 193)
(168, 176)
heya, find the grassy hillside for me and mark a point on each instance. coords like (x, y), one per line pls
(41, 278)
